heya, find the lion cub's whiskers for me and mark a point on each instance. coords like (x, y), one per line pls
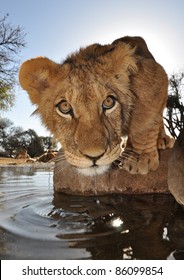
(59, 162)
(127, 154)
(59, 166)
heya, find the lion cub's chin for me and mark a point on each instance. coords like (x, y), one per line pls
(93, 171)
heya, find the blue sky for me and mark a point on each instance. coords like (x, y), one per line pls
(58, 27)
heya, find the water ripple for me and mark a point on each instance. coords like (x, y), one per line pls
(38, 223)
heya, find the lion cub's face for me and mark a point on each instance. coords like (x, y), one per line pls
(87, 122)
(84, 105)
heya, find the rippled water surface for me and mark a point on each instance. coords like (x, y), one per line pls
(35, 223)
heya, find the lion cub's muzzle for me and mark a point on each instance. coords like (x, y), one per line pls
(93, 165)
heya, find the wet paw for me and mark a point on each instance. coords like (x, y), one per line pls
(139, 163)
(165, 142)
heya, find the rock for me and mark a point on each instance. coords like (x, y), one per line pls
(176, 170)
(67, 180)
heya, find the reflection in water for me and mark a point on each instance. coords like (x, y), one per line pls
(38, 224)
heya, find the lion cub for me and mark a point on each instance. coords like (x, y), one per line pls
(98, 95)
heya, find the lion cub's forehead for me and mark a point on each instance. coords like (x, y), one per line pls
(83, 86)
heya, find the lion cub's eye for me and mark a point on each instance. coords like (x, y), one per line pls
(109, 102)
(64, 107)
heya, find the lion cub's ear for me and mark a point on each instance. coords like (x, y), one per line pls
(37, 74)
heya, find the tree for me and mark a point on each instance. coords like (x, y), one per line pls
(12, 41)
(9, 139)
(48, 143)
(12, 143)
(13, 139)
(34, 144)
(174, 119)
(5, 125)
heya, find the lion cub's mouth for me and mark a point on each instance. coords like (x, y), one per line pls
(89, 167)
(93, 170)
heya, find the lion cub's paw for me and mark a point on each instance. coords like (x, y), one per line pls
(139, 163)
(165, 142)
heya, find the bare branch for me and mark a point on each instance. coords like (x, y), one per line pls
(175, 109)
(12, 41)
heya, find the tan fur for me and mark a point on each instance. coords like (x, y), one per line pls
(90, 135)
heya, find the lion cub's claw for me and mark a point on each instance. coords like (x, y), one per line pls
(139, 163)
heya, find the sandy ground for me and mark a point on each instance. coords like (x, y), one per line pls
(5, 162)
(11, 161)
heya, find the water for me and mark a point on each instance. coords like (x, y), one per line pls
(35, 223)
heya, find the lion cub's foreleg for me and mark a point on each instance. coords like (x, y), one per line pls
(141, 152)
(146, 134)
